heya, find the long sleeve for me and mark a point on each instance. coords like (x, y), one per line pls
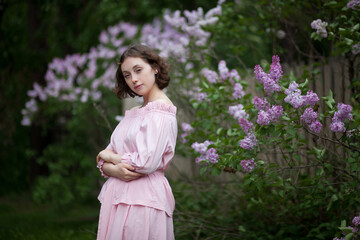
(154, 143)
(101, 162)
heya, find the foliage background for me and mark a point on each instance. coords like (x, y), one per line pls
(34, 32)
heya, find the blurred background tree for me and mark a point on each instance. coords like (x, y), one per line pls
(34, 32)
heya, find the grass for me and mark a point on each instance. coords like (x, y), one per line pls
(21, 219)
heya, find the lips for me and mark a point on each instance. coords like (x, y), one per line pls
(137, 87)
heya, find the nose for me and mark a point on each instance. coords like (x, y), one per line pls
(134, 78)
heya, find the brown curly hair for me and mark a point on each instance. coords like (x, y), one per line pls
(162, 78)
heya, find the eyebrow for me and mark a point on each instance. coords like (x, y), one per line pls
(135, 66)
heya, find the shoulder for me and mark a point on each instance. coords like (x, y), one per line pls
(164, 101)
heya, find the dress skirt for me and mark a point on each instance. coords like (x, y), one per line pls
(133, 222)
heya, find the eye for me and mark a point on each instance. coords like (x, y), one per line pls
(126, 76)
(138, 70)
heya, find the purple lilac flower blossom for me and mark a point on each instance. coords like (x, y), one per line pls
(223, 70)
(354, 4)
(234, 76)
(238, 91)
(311, 98)
(320, 27)
(246, 125)
(356, 48)
(337, 126)
(249, 142)
(212, 156)
(295, 99)
(263, 118)
(275, 72)
(356, 221)
(270, 80)
(210, 75)
(293, 87)
(270, 84)
(248, 165)
(343, 113)
(238, 111)
(201, 160)
(310, 118)
(261, 103)
(201, 96)
(315, 126)
(187, 128)
(201, 147)
(275, 112)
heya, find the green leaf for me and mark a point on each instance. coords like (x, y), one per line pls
(349, 41)
(356, 27)
(203, 170)
(343, 223)
(330, 3)
(349, 236)
(242, 228)
(205, 84)
(304, 84)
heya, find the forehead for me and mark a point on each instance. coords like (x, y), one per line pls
(130, 62)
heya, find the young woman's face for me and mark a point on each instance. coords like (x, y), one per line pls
(138, 75)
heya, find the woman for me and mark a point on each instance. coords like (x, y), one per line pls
(136, 200)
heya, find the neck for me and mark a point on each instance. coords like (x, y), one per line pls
(152, 96)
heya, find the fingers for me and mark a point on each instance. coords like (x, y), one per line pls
(128, 166)
(130, 175)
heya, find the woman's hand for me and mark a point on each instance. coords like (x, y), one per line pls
(109, 156)
(123, 171)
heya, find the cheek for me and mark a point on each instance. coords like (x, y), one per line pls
(128, 82)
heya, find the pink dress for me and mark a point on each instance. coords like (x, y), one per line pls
(142, 208)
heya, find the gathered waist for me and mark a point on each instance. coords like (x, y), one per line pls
(152, 190)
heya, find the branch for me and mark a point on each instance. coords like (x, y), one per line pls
(333, 141)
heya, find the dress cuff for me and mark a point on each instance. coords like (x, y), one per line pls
(100, 167)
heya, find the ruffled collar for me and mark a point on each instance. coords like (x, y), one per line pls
(155, 105)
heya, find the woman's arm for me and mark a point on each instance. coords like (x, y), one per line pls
(109, 156)
(122, 171)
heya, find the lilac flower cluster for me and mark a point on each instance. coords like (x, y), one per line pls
(187, 128)
(246, 125)
(295, 99)
(271, 80)
(64, 80)
(267, 114)
(206, 155)
(201, 96)
(238, 91)
(238, 111)
(354, 229)
(356, 221)
(166, 39)
(223, 70)
(193, 23)
(356, 49)
(343, 113)
(210, 75)
(249, 142)
(353, 4)
(310, 118)
(248, 165)
(320, 27)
